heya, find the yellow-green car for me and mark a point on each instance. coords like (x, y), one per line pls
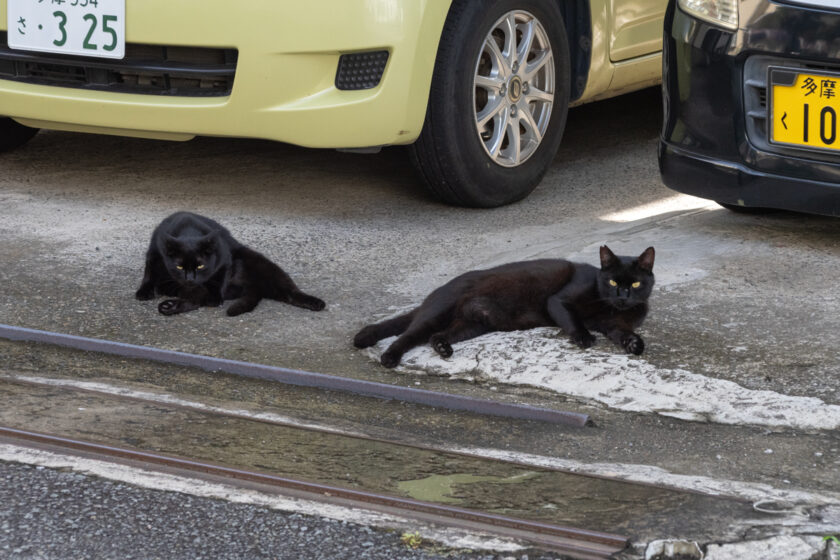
(479, 89)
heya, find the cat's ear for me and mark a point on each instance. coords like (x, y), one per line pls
(646, 259)
(171, 245)
(208, 243)
(607, 257)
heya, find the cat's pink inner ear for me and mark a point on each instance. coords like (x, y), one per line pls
(646, 259)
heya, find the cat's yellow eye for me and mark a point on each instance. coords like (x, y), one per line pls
(613, 283)
(199, 267)
(636, 284)
(179, 267)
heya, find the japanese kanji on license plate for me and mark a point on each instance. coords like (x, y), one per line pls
(81, 27)
(804, 108)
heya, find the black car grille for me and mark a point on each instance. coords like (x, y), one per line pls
(146, 69)
(756, 100)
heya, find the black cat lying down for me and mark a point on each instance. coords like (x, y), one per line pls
(524, 295)
(198, 262)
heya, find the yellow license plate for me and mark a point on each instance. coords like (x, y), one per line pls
(804, 109)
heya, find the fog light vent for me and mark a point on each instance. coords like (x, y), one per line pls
(360, 70)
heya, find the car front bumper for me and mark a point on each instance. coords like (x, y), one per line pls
(714, 141)
(284, 86)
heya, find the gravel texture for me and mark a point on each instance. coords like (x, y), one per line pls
(52, 514)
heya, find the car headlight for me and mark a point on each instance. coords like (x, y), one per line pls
(720, 12)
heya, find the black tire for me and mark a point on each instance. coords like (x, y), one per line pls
(13, 134)
(449, 155)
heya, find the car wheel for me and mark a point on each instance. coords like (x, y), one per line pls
(13, 134)
(498, 102)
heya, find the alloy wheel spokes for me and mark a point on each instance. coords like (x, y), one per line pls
(513, 88)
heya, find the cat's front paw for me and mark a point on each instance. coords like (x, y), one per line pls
(175, 306)
(170, 307)
(584, 339)
(441, 345)
(145, 293)
(366, 337)
(633, 343)
(390, 359)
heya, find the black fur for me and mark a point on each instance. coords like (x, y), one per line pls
(196, 261)
(578, 298)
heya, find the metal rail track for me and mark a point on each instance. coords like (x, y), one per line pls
(576, 543)
(299, 378)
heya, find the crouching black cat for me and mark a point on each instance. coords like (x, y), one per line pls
(524, 295)
(198, 262)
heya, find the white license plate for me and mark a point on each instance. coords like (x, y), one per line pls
(81, 27)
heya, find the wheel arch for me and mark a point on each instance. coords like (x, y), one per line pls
(577, 16)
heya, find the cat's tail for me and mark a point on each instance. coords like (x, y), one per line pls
(372, 334)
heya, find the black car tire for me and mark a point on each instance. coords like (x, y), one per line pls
(13, 134)
(449, 155)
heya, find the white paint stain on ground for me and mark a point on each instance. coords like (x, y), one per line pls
(786, 547)
(783, 547)
(542, 358)
(454, 538)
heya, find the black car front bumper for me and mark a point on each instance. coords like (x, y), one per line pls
(714, 141)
